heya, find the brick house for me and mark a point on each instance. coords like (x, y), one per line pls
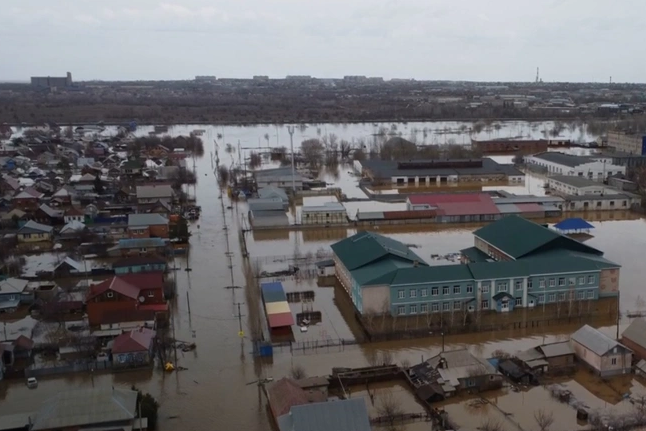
(151, 225)
(27, 199)
(126, 298)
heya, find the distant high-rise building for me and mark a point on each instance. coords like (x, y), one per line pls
(52, 82)
(627, 142)
(205, 78)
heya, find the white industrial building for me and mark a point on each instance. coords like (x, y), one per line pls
(583, 194)
(578, 186)
(326, 214)
(597, 168)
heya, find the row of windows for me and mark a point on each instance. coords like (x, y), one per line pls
(435, 291)
(501, 287)
(435, 307)
(484, 304)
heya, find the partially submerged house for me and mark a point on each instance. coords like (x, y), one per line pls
(13, 293)
(604, 355)
(552, 358)
(341, 415)
(443, 375)
(134, 348)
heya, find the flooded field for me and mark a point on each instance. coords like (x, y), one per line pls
(213, 393)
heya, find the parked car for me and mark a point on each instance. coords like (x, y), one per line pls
(32, 383)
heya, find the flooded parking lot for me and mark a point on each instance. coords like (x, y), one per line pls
(213, 393)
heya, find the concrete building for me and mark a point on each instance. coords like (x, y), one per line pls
(436, 172)
(627, 142)
(602, 354)
(597, 168)
(268, 219)
(515, 263)
(279, 177)
(577, 186)
(510, 146)
(52, 82)
(327, 214)
(582, 194)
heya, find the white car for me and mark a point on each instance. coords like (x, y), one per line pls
(32, 383)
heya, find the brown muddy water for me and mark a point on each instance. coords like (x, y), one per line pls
(214, 392)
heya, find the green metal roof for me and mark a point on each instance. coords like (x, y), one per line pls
(474, 254)
(363, 248)
(517, 237)
(490, 270)
(367, 273)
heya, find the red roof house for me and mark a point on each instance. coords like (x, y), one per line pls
(134, 347)
(454, 204)
(126, 298)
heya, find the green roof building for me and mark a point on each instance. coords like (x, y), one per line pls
(514, 263)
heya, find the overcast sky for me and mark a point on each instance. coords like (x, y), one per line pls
(488, 40)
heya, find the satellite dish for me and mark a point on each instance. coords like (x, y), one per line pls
(142, 299)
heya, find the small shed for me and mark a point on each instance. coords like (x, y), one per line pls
(515, 373)
(573, 225)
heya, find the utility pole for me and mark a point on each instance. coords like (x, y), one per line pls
(239, 316)
(290, 129)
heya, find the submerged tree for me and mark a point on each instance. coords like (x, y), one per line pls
(98, 185)
(389, 409)
(254, 160)
(312, 150)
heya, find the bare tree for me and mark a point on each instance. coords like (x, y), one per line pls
(389, 409)
(254, 160)
(500, 354)
(544, 419)
(405, 363)
(298, 372)
(491, 425)
(386, 358)
(372, 357)
(312, 150)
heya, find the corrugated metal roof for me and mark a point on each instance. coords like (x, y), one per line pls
(33, 227)
(556, 349)
(508, 209)
(564, 159)
(328, 206)
(280, 320)
(595, 340)
(363, 248)
(636, 332)
(278, 307)
(407, 215)
(151, 219)
(370, 215)
(343, 415)
(86, 407)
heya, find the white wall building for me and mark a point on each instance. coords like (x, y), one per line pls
(578, 186)
(596, 168)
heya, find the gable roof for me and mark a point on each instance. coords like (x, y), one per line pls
(148, 219)
(51, 212)
(563, 159)
(595, 340)
(86, 407)
(272, 191)
(283, 395)
(73, 226)
(29, 193)
(33, 227)
(13, 285)
(366, 247)
(636, 332)
(137, 340)
(128, 285)
(517, 237)
(342, 415)
(64, 191)
(154, 191)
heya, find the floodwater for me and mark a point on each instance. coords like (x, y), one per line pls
(215, 391)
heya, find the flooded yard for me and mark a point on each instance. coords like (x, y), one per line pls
(214, 387)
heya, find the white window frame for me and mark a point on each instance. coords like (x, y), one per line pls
(563, 279)
(412, 309)
(457, 290)
(435, 291)
(582, 279)
(591, 279)
(446, 290)
(401, 294)
(551, 297)
(401, 310)
(485, 289)
(424, 292)
(516, 302)
(423, 308)
(541, 298)
(552, 282)
(541, 283)
(561, 296)
(435, 307)
(590, 294)
(580, 294)
(518, 285)
(412, 293)
(446, 306)
(457, 305)
(469, 288)
(484, 304)
(502, 287)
